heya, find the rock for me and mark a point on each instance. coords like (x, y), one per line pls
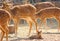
(11, 29)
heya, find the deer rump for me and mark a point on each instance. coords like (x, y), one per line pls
(4, 16)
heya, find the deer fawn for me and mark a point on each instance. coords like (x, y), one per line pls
(43, 5)
(4, 20)
(25, 12)
(51, 12)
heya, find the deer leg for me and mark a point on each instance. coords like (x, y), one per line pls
(58, 25)
(58, 20)
(7, 31)
(16, 26)
(36, 26)
(42, 21)
(45, 25)
(40, 24)
(4, 30)
(33, 20)
(30, 24)
(2, 35)
(7, 36)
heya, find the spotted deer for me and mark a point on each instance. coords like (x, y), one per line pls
(25, 12)
(51, 12)
(4, 21)
(43, 5)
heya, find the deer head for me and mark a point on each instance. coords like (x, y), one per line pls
(6, 6)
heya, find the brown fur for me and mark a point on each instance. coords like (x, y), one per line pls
(25, 12)
(4, 20)
(43, 5)
(51, 12)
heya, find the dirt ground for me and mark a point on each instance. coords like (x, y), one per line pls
(46, 37)
(23, 32)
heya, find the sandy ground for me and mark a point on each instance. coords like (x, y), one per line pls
(23, 32)
(46, 37)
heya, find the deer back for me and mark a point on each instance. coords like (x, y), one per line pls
(43, 5)
(23, 10)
